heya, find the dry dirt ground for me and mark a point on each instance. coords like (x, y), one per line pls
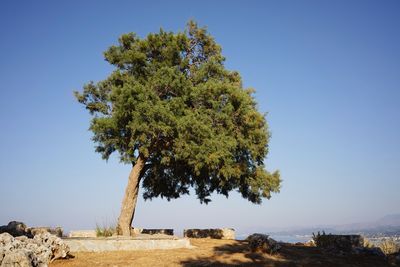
(212, 252)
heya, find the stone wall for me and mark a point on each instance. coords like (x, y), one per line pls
(221, 233)
(136, 231)
(344, 243)
(158, 231)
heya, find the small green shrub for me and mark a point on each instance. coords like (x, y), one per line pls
(367, 243)
(319, 238)
(105, 231)
(389, 246)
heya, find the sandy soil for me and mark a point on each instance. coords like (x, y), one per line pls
(212, 252)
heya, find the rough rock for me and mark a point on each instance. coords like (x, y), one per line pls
(37, 251)
(58, 248)
(17, 258)
(14, 228)
(57, 231)
(221, 233)
(263, 243)
(6, 238)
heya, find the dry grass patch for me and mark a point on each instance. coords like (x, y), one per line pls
(212, 252)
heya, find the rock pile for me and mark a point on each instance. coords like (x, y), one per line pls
(19, 228)
(15, 229)
(57, 231)
(23, 251)
(263, 243)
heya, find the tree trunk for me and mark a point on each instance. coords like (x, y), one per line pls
(130, 198)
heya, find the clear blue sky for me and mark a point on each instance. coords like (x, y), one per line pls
(327, 73)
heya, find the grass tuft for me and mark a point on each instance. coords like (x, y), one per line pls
(105, 231)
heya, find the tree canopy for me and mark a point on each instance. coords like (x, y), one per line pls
(172, 102)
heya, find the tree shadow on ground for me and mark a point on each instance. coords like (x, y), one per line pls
(238, 254)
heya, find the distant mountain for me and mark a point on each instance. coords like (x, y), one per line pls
(387, 224)
(390, 220)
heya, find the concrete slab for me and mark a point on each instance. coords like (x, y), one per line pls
(83, 233)
(140, 242)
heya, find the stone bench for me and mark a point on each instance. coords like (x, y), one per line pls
(221, 233)
(136, 231)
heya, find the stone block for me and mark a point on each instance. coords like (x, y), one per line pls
(344, 243)
(136, 231)
(158, 231)
(83, 233)
(219, 233)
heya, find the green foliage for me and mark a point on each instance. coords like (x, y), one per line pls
(171, 101)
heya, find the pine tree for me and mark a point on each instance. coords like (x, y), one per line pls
(172, 110)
